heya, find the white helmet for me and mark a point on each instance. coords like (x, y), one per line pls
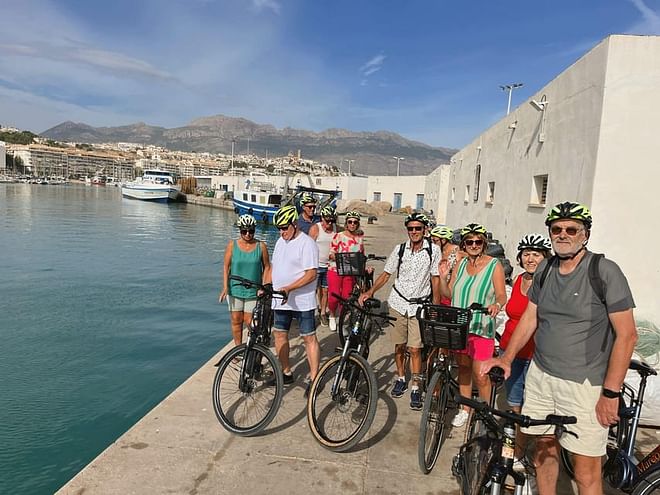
(246, 221)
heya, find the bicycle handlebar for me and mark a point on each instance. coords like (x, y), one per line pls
(373, 257)
(362, 309)
(267, 288)
(520, 419)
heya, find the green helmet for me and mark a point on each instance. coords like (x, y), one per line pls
(285, 216)
(473, 228)
(353, 214)
(442, 232)
(417, 217)
(570, 211)
(307, 198)
(328, 212)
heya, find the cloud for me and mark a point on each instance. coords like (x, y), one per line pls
(261, 5)
(650, 23)
(372, 66)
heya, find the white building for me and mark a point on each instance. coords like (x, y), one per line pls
(436, 190)
(591, 135)
(3, 157)
(401, 191)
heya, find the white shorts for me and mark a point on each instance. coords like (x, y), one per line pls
(546, 394)
(241, 305)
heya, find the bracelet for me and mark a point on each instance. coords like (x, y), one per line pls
(499, 306)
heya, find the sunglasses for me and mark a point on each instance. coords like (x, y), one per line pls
(282, 229)
(353, 222)
(474, 242)
(556, 230)
(309, 206)
(247, 231)
(329, 219)
(415, 229)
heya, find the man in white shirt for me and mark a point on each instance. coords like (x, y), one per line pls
(294, 264)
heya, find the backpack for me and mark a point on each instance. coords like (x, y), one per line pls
(596, 284)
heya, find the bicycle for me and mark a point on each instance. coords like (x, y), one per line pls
(621, 470)
(342, 398)
(443, 328)
(353, 265)
(244, 398)
(486, 458)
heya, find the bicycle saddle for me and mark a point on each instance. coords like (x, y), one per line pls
(642, 368)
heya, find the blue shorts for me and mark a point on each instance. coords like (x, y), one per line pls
(306, 321)
(515, 384)
(322, 277)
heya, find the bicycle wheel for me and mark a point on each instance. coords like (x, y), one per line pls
(339, 422)
(477, 454)
(433, 426)
(243, 401)
(648, 484)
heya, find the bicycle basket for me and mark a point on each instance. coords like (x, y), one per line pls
(351, 264)
(444, 326)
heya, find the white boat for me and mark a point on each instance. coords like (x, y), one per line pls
(154, 185)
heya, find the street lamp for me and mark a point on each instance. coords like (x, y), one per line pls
(233, 141)
(349, 165)
(510, 88)
(398, 159)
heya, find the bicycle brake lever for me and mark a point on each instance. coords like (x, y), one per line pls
(561, 430)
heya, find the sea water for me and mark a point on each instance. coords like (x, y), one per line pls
(106, 306)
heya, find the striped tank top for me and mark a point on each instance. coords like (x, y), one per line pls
(477, 288)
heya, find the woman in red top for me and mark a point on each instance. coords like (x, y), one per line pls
(532, 249)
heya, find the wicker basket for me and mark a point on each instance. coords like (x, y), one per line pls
(351, 264)
(444, 326)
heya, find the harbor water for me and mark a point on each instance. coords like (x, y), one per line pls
(106, 306)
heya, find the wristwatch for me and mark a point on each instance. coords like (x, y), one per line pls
(610, 394)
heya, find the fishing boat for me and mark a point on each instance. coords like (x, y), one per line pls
(262, 199)
(154, 185)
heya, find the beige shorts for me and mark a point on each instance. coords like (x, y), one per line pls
(546, 394)
(240, 304)
(405, 330)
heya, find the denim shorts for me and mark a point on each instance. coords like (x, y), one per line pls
(322, 277)
(515, 384)
(306, 321)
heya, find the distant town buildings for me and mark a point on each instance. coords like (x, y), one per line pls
(3, 157)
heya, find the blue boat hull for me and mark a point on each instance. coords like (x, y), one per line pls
(262, 213)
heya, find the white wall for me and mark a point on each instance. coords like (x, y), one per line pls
(436, 192)
(625, 202)
(409, 186)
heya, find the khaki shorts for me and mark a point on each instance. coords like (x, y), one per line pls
(241, 305)
(405, 330)
(546, 394)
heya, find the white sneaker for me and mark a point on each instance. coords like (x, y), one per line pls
(460, 419)
(332, 322)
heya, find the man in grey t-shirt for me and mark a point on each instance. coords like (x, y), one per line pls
(583, 348)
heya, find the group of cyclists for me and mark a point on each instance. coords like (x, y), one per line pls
(565, 347)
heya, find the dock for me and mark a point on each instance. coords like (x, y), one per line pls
(179, 447)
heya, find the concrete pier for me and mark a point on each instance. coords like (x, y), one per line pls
(179, 446)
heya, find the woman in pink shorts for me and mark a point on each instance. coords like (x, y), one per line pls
(477, 278)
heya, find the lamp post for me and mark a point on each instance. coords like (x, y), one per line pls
(349, 165)
(398, 159)
(233, 141)
(510, 88)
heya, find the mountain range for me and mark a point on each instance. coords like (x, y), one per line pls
(372, 152)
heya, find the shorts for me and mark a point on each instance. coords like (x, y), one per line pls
(515, 384)
(322, 277)
(405, 330)
(478, 348)
(306, 321)
(241, 304)
(546, 394)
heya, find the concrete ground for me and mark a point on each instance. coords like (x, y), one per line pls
(179, 446)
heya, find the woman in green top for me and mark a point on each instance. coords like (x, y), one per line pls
(477, 278)
(248, 258)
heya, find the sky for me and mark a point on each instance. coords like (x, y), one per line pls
(429, 70)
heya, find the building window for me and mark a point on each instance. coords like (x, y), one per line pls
(318, 182)
(477, 178)
(539, 190)
(396, 204)
(466, 199)
(453, 194)
(419, 203)
(376, 196)
(490, 197)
